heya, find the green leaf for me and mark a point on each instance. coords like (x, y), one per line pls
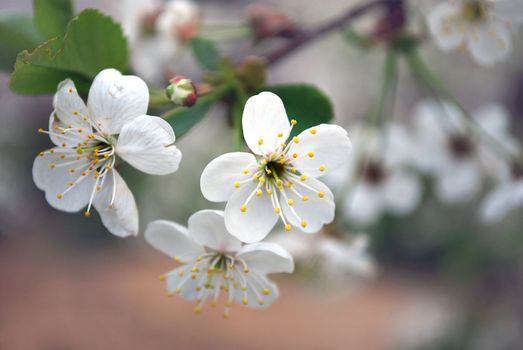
(17, 33)
(206, 53)
(51, 16)
(305, 103)
(183, 119)
(92, 43)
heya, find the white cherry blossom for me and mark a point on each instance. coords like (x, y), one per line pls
(158, 32)
(507, 194)
(330, 256)
(481, 27)
(378, 180)
(80, 170)
(214, 262)
(278, 179)
(454, 152)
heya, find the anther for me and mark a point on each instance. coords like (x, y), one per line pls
(312, 131)
(110, 206)
(162, 278)
(243, 208)
(294, 122)
(176, 258)
(260, 142)
(266, 291)
(59, 196)
(310, 154)
(280, 134)
(237, 184)
(303, 223)
(245, 171)
(287, 227)
(245, 301)
(40, 131)
(296, 139)
(321, 194)
(303, 177)
(259, 192)
(290, 202)
(87, 214)
(277, 210)
(261, 302)
(322, 167)
(305, 198)
(295, 155)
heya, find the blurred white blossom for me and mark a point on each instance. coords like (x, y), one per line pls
(158, 33)
(332, 257)
(459, 152)
(481, 27)
(377, 179)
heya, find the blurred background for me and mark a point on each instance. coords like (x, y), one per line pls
(445, 280)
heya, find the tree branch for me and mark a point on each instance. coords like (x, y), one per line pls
(306, 36)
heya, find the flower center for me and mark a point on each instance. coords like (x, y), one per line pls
(276, 175)
(374, 173)
(461, 146)
(474, 10)
(85, 154)
(215, 272)
(516, 171)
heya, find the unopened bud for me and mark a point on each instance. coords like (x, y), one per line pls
(252, 72)
(182, 91)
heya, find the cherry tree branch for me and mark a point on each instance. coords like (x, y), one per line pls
(304, 37)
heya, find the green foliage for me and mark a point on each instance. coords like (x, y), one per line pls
(92, 42)
(305, 103)
(52, 16)
(206, 53)
(183, 119)
(17, 33)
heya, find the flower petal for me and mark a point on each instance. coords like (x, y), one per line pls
(121, 219)
(365, 205)
(173, 240)
(256, 221)
(444, 25)
(402, 192)
(53, 178)
(265, 257)
(264, 118)
(207, 227)
(459, 181)
(69, 107)
(308, 212)
(490, 43)
(147, 143)
(219, 176)
(322, 147)
(115, 99)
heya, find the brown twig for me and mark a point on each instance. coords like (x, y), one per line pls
(305, 36)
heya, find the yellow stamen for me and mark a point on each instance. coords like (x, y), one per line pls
(287, 227)
(310, 154)
(313, 131)
(237, 184)
(321, 194)
(243, 208)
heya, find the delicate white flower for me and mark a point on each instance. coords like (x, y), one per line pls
(158, 33)
(377, 180)
(482, 27)
(333, 257)
(213, 260)
(507, 195)
(80, 170)
(281, 180)
(451, 150)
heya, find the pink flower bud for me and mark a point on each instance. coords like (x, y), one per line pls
(182, 91)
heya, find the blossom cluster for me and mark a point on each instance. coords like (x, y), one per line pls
(277, 181)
